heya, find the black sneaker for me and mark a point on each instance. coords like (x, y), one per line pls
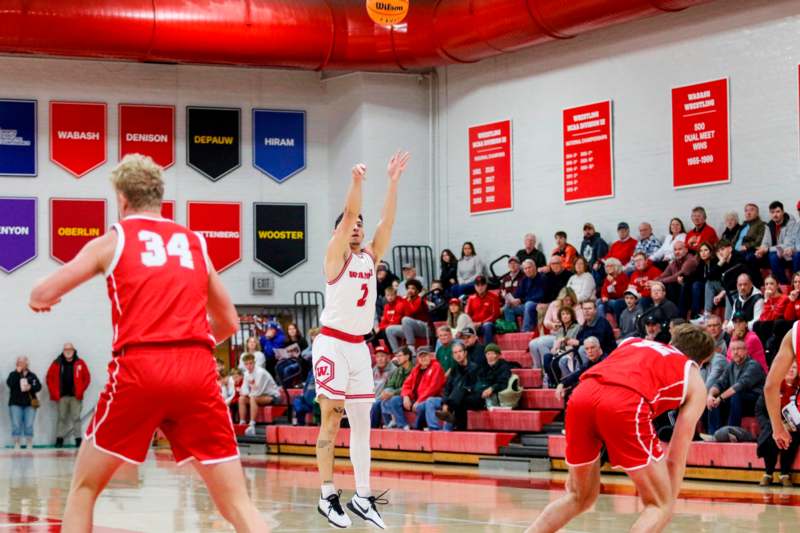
(331, 508)
(78, 442)
(59, 442)
(365, 508)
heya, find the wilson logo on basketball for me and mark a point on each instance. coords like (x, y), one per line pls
(387, 11)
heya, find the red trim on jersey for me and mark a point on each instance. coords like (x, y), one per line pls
(329, 389)
(359, 396)
(341, 335)
(344, 269)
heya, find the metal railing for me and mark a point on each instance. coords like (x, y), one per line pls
(419, 256)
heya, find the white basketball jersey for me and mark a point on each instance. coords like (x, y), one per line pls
(350, 298)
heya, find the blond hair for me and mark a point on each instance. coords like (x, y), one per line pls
(138, 178)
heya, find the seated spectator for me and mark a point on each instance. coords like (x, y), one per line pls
(678, 277)
(483, 308)
(654, 330)
(258, 389)
(594, 355)
(564, 250)
(394, 385)
(409, 273)
(252, 346)
(457, 319)
(732, 227)
(394, 309)
(544, 343)
(712, 368)
(735, 394)
(713, 325)
(415, 322)
(623, 248)
(555, 278)
(312, 334)
(437, 301)
(643, 275)
(674, 323)
(303, 405)
(493, 376)
(701, 232)
(662, 309)
(767, 449)
(381, 373)
(531, 250)
(770, 326)
(448, 269)
(748, 301)
(230, 391)
(593, 249)
(742, 332)
(470, 266)
(708, 271)
(665, 253)
(648, 244)
(614, 286)
(730, 265)
(566, 335)
(444, 350)
(271, 339)
(475, 350)
(582, 281)
(384, 277)
(779, 243)
(595, 325)
(23, 386)
(527, 295)
(295, 336)
(458, 396)
(510, 281)
(627, 318)
(751, 236)
(426, 381)
(792, 311)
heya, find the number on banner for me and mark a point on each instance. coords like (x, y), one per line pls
(155, 254)
(364, 294)
(663, 349)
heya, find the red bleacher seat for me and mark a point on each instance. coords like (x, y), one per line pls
(513, 341)
(509, 420)
(395, 439)
(523, 357)
(540, 399)
(470, 442)
(529, 378)
(268, 414)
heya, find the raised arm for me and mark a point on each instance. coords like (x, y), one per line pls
(339, 245)
(383, 233)
(684, 429)
(772, 390)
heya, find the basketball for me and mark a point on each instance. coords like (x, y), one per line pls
(387, 11)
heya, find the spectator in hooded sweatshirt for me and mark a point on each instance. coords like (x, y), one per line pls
(483, 308)
(416, 321)
(394, 309)
(470, 266)
(67, 380)
(623, 248)
(593, 249)
(272, 338)
(779, 243)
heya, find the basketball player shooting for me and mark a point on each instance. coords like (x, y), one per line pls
(162, 288)
(341, 359)
(787, 354)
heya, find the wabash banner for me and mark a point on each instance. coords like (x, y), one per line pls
(279, 142)
(17, 232)
(212, 140)
(148, 130)
(221, 225)
(700, 141)
(18, 137)
(73, 223)
(490, 167)
(280, 236)
(588, 153)
(78, 136)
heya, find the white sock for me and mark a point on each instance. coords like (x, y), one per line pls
(327, 490)
(360, 453)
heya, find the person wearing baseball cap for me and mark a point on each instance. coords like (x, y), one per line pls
(483, 308)
(409, 273)
(510, 281)
(624, 247)
(528, 294)
(425, 381)
(381, 373)
(654, 331)
(593, 249)
(457, 319)
(627, 318)
(493, 376)
(474, 348)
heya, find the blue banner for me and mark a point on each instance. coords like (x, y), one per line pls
(18, 137)
(279, 142)
(17, 232)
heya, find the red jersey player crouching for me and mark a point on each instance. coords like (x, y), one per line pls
(168, 310)
(614, 405)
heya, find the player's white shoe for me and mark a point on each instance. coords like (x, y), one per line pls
(365, 508)
(331, 508)
(251, 429)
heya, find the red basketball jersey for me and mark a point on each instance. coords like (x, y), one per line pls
(658, 372)
(158, 284)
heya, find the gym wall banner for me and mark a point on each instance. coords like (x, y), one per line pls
(78, 136)
(73, 223)
(221, 225)
(588, 152)
(17, 232)
(700, 139)
(279, 142)
(280, 236)
(17, 137)
(148, 130)
(168, 209)
(490, 187)
(213, 140)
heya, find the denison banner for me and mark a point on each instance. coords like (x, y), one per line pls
(700, 138)
(17, 137)
(588, 152)
(490, 167)
(17, 232)
(168, 209)
(280, 236)
(279, 142)
(213, 140)
(78, 136)
(221, 225)
(73, 223)
(148, 130)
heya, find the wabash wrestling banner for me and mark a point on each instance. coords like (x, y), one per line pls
(212, 140)
(18, 137)
(78, 136)
(148, 130)
(17, 232)
(73, 223)
(221, 225)
(279, 142)
(280, 236)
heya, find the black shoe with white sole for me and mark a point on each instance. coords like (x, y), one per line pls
(365, 508)
(331, 508)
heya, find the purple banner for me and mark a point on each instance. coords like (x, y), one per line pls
(17, 232)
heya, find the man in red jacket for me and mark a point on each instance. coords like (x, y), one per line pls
(393, 312)
(624, 247)
(483, 308)
(641, 277)
(416, 320)
(67, 379)
(701, 232)
(426, 380)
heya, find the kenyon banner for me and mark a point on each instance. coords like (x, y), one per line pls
(17, 137)
(279, 142)
(588, 152)
(490, 167)
(168, 209)
(73, 223)
(213, 140)
(280, 236)
(148, 130)
(700, 139)
(78, 136)
(17, 232)
(221, 225)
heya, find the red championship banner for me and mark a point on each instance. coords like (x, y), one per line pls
(490, 186)
(73, 223)
(221, 224)
(588, 152)
(700, 140)
(148, 130)
(168, 209)
(78, 136)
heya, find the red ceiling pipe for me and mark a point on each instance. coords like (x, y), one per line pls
(305, 34)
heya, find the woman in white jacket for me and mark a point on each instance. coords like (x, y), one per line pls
(582, 281)
(677, 232)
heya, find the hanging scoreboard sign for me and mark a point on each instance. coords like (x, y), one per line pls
(73, 223)
(489, 181)
(148, 130)
(78, 136)
(168, 209)
(279, 142)
(588, 152)
(213, 145)
(221, 225)
(17, 137)
(17, 232)
(281, 244)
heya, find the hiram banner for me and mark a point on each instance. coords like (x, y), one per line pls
(221, 225)
(490, 186)
(148, 130)
(17, 232)
(73, 223)
(17, 137)
(281, 243)
(588, 152)
(279, 142)
(213, 140)
(78, 136)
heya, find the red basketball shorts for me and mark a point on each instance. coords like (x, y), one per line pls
(171, 388)
(618, 417)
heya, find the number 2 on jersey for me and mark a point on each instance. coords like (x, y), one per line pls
(156, 255)
(364, 293)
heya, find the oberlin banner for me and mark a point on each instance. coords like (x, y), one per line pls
(213, 140)
(280, 236)
(73, 223)
(490, 167)
(588, 152)
(18, 137)
(221, 225)
(148, 130)
(168, 209)
(78, 136)
(17, 232)
(279, 142)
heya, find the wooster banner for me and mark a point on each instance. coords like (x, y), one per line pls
(78, 136)
(17, 232)
(281, 243)
(73, 223)
(213, 140)
(18, 137)
(279, 142)
(148, 130)
(221, 225)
